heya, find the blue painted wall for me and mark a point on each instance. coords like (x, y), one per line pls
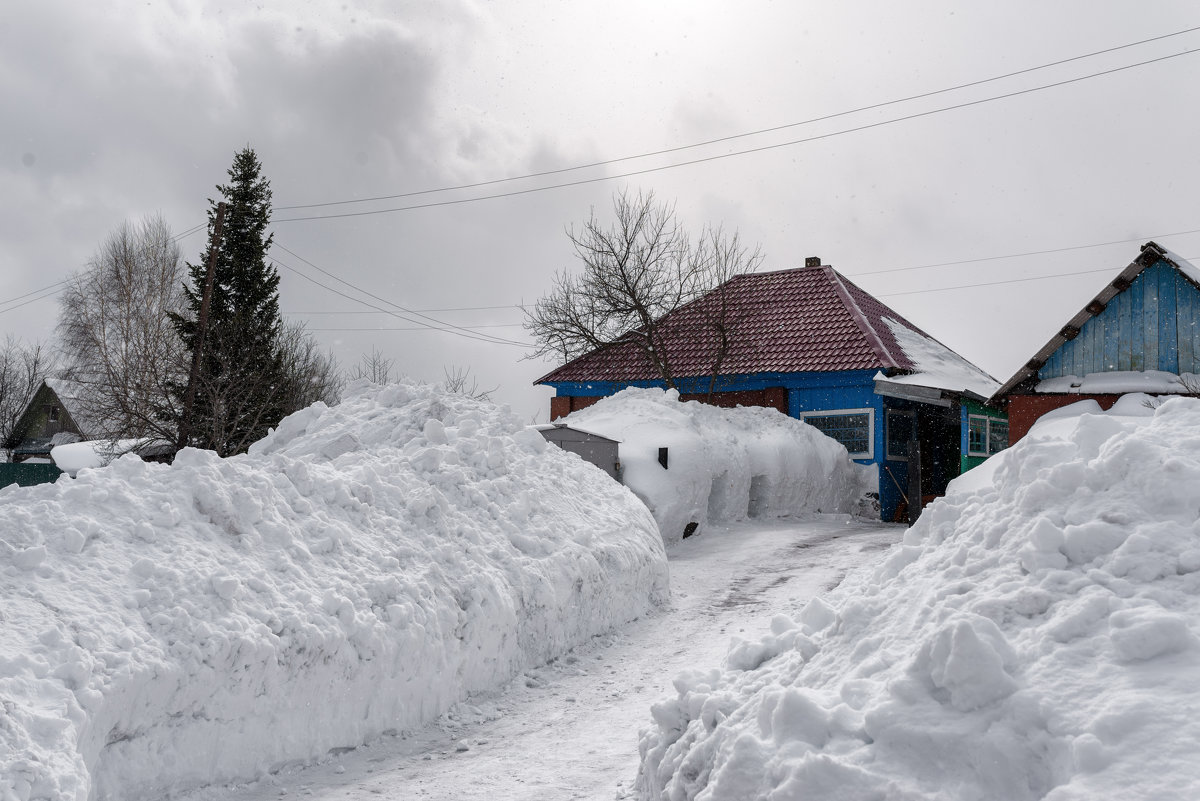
(1152, 325)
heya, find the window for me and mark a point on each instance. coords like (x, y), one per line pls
(53, 410)
(899, 432)
(851, 427)
(997, 435)
(986, 436)
(977, 435)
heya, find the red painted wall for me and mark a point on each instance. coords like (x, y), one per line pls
(772, 397)
(1024, 410)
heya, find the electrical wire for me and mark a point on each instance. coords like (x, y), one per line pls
(735, 153)
(444, 327)
(1027, 253)
(744, 135)
(441, 324)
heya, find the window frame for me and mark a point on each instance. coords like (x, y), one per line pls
(988, 422)
(887, 434)
(992, 422)
(867, 410)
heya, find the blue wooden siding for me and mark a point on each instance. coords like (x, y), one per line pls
(1152, 325)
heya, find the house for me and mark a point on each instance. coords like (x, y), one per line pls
(813, 345)
(1140, 334)
(58, 415)
(53, 416)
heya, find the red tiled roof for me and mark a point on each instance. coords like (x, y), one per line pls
(808, 319)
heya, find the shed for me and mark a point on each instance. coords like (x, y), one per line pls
(1141, 333)
(813, 345)
(590, 446)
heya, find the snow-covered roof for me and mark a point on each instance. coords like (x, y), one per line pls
(935, 366)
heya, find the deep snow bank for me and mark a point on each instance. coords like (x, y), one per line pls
(1035, 636)
(723, 464)
(364, 567)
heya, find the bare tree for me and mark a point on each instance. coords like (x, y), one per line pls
(373, 367)
(22, 370)
(116, 334)
(635, 273)
(461, 381)
(311, 375)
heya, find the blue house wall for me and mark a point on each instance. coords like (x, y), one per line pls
(1152, 325)
(807, 392)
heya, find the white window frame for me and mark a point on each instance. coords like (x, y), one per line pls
(868, 411)
(987, 434)
(887, 439)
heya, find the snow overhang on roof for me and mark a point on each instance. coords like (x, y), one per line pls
(1151, 253)
(937, 372)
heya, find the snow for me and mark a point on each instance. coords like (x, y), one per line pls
(1117, 382)
(723, 464)
(938, 367)
(569, 729)
(1035, 636)
(363, 569)
(75, 456)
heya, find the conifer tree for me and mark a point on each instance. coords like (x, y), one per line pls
(241, 386)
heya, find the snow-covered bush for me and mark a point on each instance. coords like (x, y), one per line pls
(723, 464)
(1034, 637)
(359, 571)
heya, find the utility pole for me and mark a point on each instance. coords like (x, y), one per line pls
(214, 246)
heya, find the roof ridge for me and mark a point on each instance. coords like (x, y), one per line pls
(860, 319)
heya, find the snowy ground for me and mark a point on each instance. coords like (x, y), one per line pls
(569, 730)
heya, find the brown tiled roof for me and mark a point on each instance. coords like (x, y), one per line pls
(808, 319)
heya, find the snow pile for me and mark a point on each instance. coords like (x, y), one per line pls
(1033, 637)
(722, 464)
(75, 456)
(360, 571)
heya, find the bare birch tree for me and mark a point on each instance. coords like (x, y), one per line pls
(22, 370)
(634, 274)
(116, 333)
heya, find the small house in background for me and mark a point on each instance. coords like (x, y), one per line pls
(1140, 334)
(53, 416)
(57, 421)
(813, 345)
(591, 447)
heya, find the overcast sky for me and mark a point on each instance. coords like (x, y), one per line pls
(116, 110)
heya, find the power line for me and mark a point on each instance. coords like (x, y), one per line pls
(435, 325)
(748, 151)
(448, 309)
(418, 328)
(998, 283)
(1027, 253)
(436, 322)
(733, 137)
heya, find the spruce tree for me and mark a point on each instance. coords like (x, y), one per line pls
(240, 391)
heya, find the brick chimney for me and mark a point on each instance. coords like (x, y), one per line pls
(812, 261)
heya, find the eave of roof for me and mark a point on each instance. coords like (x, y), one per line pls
(1151, 253)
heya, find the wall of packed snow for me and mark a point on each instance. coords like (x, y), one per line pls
(359, 571)
(723, 464)
(1035, 636)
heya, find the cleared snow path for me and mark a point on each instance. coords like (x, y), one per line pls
(569, 730)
